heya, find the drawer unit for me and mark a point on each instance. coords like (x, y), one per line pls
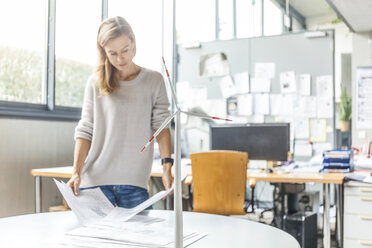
(358, 226)
(357, 215)
(355, 243)
(358, 204)
(361, 190)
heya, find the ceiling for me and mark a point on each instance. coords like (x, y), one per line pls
(357, 14)
(311, 8)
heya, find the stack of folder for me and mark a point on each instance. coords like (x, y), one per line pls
(339, 161)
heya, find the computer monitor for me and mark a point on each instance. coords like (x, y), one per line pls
(267, 141)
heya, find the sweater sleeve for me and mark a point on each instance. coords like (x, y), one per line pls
(84, 129)
(160, 108)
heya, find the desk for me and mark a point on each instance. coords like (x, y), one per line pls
(313, 177)
(34, 229)
(294, 177)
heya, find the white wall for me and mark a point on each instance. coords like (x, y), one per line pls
(361, 56)
(28, 144)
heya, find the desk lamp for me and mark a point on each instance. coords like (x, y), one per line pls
(177, 155)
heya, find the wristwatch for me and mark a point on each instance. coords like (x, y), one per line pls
(166, 160)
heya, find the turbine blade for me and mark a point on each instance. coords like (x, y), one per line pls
(173, 91)
(205, 116)
(162, 126)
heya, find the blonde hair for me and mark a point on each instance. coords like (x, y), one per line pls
(107, 74)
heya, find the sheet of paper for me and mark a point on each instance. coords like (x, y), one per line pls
(325, 107)
(306, 107)
(245, 104)
(276, 102)
(288, 103)
(182, 89)
(318, 130)
(302, 128)
(89, 205)
(264, 70)
(304, 84)
(241, 82)
(287, 82)
(124, 214)
(257, 119)
(260, 85)
(227, 87)
(364, 98)
(261, 104)
(214, 65)
(324, 86)
(303, 149)
(197, 94)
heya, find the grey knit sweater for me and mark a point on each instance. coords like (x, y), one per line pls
(118, 125)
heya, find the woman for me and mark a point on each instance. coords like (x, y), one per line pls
(123, 105)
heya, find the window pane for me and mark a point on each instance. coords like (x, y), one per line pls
(226, 19)
(196, 20)
(273, 19)
(77, 23)
(146, 23)
(21, 50)
(248, 18)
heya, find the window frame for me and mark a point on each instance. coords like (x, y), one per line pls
(48, 110)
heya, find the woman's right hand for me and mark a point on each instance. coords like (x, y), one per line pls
(74, 183)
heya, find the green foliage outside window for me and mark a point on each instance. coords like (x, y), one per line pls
(21, 78)
(20, 75)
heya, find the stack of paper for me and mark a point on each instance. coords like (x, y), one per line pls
(105, 225)
(135, 235)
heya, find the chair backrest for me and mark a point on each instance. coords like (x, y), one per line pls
(219, 180)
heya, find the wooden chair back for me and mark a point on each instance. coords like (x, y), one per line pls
(219, 181)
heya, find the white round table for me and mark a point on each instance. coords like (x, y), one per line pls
(32, 230)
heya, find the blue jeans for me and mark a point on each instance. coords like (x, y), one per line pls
(125, 196)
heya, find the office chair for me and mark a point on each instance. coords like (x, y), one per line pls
(219, 181)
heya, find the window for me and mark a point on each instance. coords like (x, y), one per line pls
(21, 51)
(146, 23)
(273, 18)
(76, 49)
(225, 19)
(196, 20)
(248, 18)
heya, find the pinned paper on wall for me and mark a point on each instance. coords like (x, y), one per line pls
(182, 91)
(227, 87)
(302, 129)
(242, 82)
(303, 149)
(325, 107)
(276, 102)
(197, 94)
(304, 84)
(287, 82)
(305, 106)
(318, 130)
(324, 86)
(288, 102)
(264, 70)
(257, 119)
(260, 85)
(245, 104)
(261, 104)
(364, 97)
(214, 65)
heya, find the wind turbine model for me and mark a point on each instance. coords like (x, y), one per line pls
(177, 157)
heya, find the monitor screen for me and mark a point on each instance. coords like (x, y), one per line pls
(268, 141)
